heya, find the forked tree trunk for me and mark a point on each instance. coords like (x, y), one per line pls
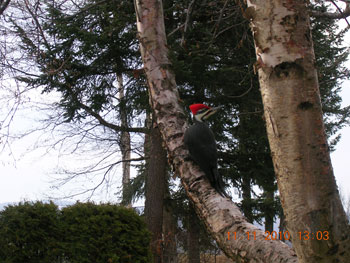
(219, 214)
(289, 87)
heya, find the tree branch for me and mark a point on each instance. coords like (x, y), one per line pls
(188, 17)
(102, 121)
(337, 15)
(112, 126)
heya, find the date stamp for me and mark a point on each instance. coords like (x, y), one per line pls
(285, 235)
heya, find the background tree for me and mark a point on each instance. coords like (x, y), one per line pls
(94, 98)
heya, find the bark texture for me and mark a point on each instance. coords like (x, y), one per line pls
(289, 87)
(219, 214)
(169, 234)
(155, 186)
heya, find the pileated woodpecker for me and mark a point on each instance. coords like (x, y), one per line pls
(201, 144)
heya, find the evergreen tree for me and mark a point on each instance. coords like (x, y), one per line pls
(83, 54)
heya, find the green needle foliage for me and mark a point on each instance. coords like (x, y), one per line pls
(104, 233)
(82, 233)
(30, 233)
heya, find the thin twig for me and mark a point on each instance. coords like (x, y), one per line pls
(188, 17)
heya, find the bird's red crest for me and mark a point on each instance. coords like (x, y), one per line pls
(196, 107)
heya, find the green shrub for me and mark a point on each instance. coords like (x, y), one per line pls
(30, 233)
(82, 233)
(105, 233)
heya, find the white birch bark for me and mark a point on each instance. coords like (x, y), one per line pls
(290, 92)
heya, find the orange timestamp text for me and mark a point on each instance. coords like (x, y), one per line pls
(285, 235)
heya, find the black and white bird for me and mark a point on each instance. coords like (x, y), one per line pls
(200, 141)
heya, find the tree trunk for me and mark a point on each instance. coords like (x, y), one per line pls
(281, 227)
(247, 199)
(219, 214)
(193, 250)
(169, 229)
(269, 210)
(169, 234)
(125, 144)
(289, 87)
(155, 185)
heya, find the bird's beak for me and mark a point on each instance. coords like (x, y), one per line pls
(215, 109)
(212, 111)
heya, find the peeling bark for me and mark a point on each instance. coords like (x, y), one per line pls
(219, 214)
(292, 106)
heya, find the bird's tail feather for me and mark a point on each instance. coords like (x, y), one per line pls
(218, 184)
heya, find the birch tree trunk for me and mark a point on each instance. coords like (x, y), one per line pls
(289, 87)
(219, 214)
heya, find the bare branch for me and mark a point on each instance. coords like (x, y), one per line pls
(93, 189)
(244, 93)
(188, 17)
(217, 24)
(337, 15)
(112, 126)
(37, 23)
